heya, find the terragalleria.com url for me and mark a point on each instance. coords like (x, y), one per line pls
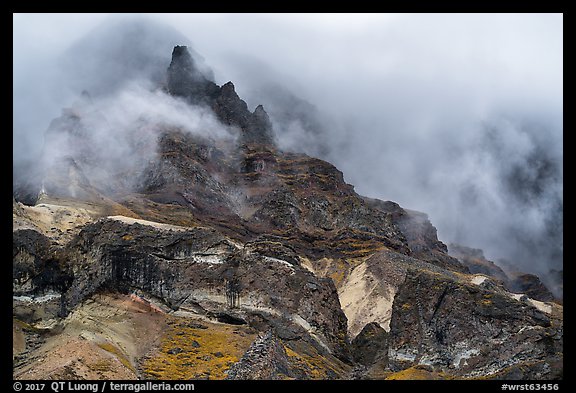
(67, 386)
(137, 387)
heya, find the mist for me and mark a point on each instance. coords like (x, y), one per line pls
(456, 115)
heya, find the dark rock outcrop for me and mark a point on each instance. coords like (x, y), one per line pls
(36, 267)
(260, 128)
(230, 108)
(421, 236)
(185, 79)
(468, 331)
(265, 359)
(255, 127)
(531, 286)
(370, 345)
(38, 272)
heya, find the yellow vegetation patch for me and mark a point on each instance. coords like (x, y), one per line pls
(418, 373)
(486, 301)
(307, 361)
(337, 277)
(189, 352)
(337, 269)
(27, 327)
(118, 354)
(101, 366)
(362, 252)
(462, 278)
(406, 306)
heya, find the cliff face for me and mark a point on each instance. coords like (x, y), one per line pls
(469, 331)
(297, 276)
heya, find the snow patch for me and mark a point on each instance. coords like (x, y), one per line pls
(478, 279)
(166, 227)
(276, 260)
(463, 355)
(302, 322)
(209, 259)
(542, 306)
(403, 356)
(37, 299)
(311, 330)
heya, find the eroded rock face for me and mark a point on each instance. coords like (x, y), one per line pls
(468, 331)
(368, 292)
(187, 269)
(30, 252)
(186, 80)
(370, 345)
(253, 191)
(39, 277)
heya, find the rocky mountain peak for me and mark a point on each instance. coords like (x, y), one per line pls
(260, 130)
(260, 112)
(228, 91)
(256, 127)
(186, 80)
(261, 118)
(231, 107)
(181, 59)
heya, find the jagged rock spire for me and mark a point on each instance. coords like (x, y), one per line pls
(182, 60)
(230, 108)
(260, 129)
(185, 80)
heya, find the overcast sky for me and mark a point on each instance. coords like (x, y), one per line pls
(456, 115)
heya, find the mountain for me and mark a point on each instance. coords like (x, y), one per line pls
(159, 248)
(515, 280)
